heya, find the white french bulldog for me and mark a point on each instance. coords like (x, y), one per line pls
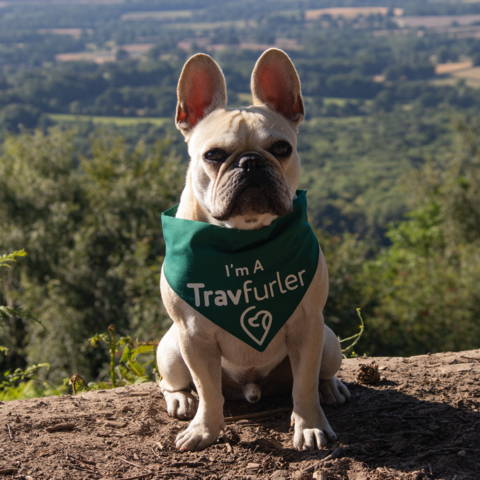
(229, 149)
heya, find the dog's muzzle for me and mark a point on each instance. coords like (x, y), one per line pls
(251, 185)
(250, 162)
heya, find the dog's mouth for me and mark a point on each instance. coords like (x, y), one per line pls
(251, 192)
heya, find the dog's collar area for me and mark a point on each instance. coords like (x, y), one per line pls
(248, 282)
(253, 222)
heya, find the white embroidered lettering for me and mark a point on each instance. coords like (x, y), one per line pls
(246, 289)
(234, 297)
(265, 293)
(280, 286)
(291, 282)
(206, 297)
(220, 298)
(196, 291)
(242, 271)
(258, 266)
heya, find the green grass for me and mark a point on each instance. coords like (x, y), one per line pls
(120, 121)
(336, 101)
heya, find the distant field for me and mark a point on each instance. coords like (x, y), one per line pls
(120, 121)
(157, 15)
(100, 56)
(471, 75)
(452, 67)
(463, 31)
(437, 21)
(136, 49)
(72, 32)
(349, 12)
(450, 73)
(284, 43)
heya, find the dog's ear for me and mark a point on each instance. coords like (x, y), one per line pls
(201, 89)
(275, 83)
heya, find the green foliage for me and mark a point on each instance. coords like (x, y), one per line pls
(15, 117)
(127, 363)
(7, 259)
(11, 340)
(423, 290)
(92, 229)
(25, 383)
(7, 313)
(14, 378)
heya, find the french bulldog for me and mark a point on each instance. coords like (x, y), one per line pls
(226, 148)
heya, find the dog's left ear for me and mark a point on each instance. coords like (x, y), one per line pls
(275, 83)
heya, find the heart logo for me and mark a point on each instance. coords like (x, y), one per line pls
(256, 326)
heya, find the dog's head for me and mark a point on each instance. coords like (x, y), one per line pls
(244, 165)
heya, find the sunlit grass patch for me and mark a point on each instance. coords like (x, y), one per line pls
(120, 121)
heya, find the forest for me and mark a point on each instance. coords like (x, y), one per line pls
(89, 158)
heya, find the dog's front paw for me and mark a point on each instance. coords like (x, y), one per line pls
(333, 392)
(180, 404)
(310, 435)
(196, 436)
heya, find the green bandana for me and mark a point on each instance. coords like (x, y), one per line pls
(248, 282)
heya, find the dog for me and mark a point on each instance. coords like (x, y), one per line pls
(242, 178)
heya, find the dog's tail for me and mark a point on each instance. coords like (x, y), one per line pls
(252, 392)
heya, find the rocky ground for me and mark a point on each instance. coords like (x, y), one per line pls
(412, 418)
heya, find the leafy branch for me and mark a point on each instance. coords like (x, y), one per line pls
(7, 259)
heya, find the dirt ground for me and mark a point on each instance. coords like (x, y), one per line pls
(419, 420)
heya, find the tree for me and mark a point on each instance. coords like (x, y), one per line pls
(423, 289)
(92, 230)
(14, 117)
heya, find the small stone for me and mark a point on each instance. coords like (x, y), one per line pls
(279, 475)
(301, 475)
(461, 453)
(61, 427)
(253, 466)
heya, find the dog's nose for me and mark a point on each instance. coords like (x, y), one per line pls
(249, 161)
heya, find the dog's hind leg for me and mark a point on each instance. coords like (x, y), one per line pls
(332, 390)
(176, 381)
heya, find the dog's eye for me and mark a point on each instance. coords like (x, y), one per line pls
(281, 149)
(215, 155)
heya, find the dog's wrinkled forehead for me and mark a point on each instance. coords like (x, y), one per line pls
(250, 128)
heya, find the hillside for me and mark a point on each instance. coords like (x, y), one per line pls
(420, 421)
